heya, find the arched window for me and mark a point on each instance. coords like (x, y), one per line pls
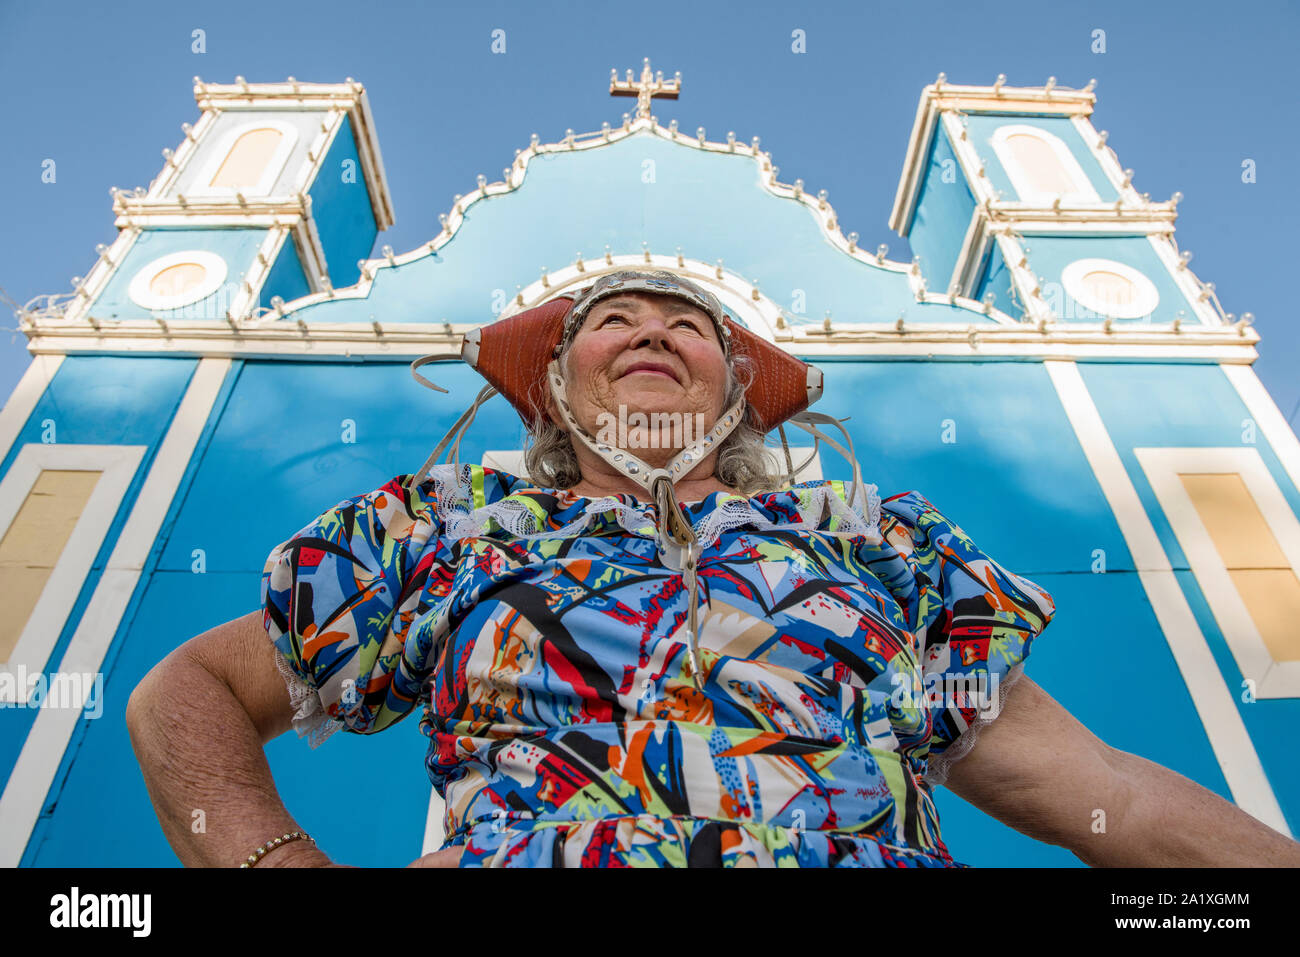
(247, 159)
(1041, 167)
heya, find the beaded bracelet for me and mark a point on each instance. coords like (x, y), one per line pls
(271, 845)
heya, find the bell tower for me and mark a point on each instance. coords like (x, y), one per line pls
(275, 193)
(1010, 195)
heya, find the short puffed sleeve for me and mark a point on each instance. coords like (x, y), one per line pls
(979, 636)
(338, 599)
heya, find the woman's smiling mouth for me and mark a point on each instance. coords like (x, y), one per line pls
(652, 368)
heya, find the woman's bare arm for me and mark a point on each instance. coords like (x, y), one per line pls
(198, 722)
(1038, 769)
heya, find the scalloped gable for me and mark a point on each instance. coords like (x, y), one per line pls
(643, 187)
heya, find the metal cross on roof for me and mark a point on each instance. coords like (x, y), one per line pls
(650, 84)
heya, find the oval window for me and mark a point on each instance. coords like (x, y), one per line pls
(1110, 289)
(178, 279)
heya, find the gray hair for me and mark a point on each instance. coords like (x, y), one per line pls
(742, 461)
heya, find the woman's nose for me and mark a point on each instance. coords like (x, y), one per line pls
(653, 332)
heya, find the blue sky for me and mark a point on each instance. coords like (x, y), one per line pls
(1187, 91)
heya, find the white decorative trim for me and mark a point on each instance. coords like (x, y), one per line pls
(255, 278)
(1082, 191)
(118, 464)
(1268, 418)
(1026, 283)
(919, 144)
(986, 343)
(1146, 296)
(184, 153)
(214, 268)
(975, 248)
(96, 281)
(280, 340)
(1149, 219)
(312, 258)
(1108, 160)
(210, 213)
(1273, 679)
(372, 160)
(26, 396)
(270, 172)
(1186, 281)
(313, 163)
(38, 762)
(972, 164)
(1209, 694)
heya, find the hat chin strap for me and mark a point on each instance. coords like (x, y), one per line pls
(658, 481)
(676, 538)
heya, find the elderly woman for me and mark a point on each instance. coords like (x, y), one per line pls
(655, 652)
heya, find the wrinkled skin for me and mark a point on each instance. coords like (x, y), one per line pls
(619, 334)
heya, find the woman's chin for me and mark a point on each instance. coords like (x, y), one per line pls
(652, 391)
(655, 395)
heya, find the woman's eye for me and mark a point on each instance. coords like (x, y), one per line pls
(612, 316)
(688, 324)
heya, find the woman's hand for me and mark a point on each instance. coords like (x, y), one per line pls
(448, 858)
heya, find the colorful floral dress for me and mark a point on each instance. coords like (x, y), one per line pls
(845, 652)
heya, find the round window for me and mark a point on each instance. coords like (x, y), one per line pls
(178, 279)
(1110, 289)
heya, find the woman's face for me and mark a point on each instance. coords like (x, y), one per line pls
(645, 353)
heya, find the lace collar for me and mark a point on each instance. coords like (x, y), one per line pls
(475, 501)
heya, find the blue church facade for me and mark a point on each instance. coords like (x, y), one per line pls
(1047, 370)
